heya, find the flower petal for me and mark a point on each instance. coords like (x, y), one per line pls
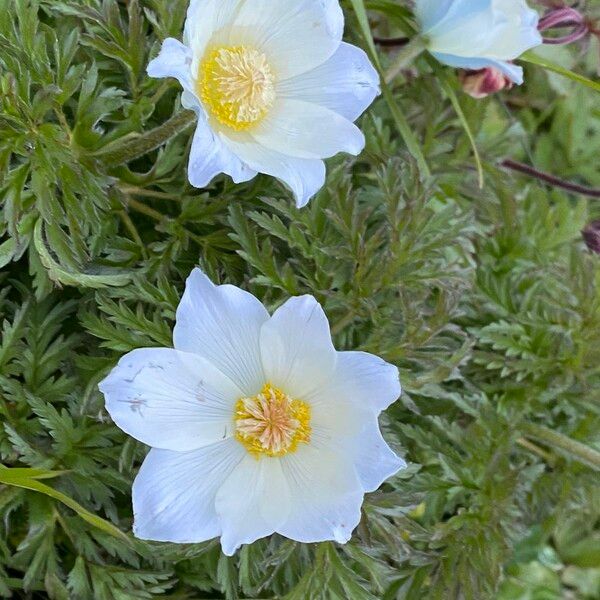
(209, 157)
(512, 71)
(174, 60)
(430, 12)
(499, 30)
(437, 16)
(174, 492)
(222, 324)
(363, 379)
(304, 177)
(205, 18)
(325, 493)
(169, 399)
(347, 83)
(307, 130)
(351, 428)
(257, 512)
(517, 30)
(373, 459)
(296, 35)
(297, 352)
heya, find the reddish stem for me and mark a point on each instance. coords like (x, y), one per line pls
(391, 42)
(548, 178)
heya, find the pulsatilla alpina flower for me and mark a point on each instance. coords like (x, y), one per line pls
(257, 424)
(274, 87)
(475, 34)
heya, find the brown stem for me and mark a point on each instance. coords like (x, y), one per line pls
(391, 42)
(513, 165)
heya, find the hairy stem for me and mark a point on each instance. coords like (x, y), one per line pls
(553, 439)
(123, 151)
(551, 179)
(405, 57)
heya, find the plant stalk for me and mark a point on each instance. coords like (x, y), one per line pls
(513, 165)
(405, 57)
(553, 439)
(124, 151)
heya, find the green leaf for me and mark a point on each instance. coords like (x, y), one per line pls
(60, 275)
(448, 89)
(534, 59)
(28, 479)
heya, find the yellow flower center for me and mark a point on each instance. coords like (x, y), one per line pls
(271, 423)
(236, 84)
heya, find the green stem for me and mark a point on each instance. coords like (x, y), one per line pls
(401, 122)
(123, 151)
(343, 322)
(405, 57)
(556, 440)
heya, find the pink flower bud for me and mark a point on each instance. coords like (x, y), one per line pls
(591, 237)
(482, 83)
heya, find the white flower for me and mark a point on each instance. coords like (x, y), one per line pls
(475, 34)
(274, 87)
(257, 424)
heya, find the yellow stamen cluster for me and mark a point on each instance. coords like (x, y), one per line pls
(237, 86)
(271, 423)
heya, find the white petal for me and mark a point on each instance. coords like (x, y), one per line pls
(205, 18)
(430, 12)
(365, 379)
(307, 130)
(296, 35)
(169, 399)
(252, 503)
(494, 29)
(174, 492)
(445, 15)
(512, 71)
(351, 428)
(347, 83)
(209, 157)
(296, 347)
(304, 177)
(373, 459)
(174, 60)
(190, 101)
(517, 30)
(325, 493)
(222, 324)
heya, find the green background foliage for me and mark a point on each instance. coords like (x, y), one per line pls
(487, 300)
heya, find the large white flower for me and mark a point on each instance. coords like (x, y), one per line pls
(274, 87)
(257, 424)
(475, 34)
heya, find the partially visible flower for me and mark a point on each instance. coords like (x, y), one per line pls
(257, 424)
(275, 89)
(475, 34)
(591, 236)
(482, 83)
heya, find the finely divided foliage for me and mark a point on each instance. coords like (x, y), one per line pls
(486, 299)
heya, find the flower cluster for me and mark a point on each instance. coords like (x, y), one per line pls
(257, 424)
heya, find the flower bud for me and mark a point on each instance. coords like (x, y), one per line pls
(482, 83)
(591, 236)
